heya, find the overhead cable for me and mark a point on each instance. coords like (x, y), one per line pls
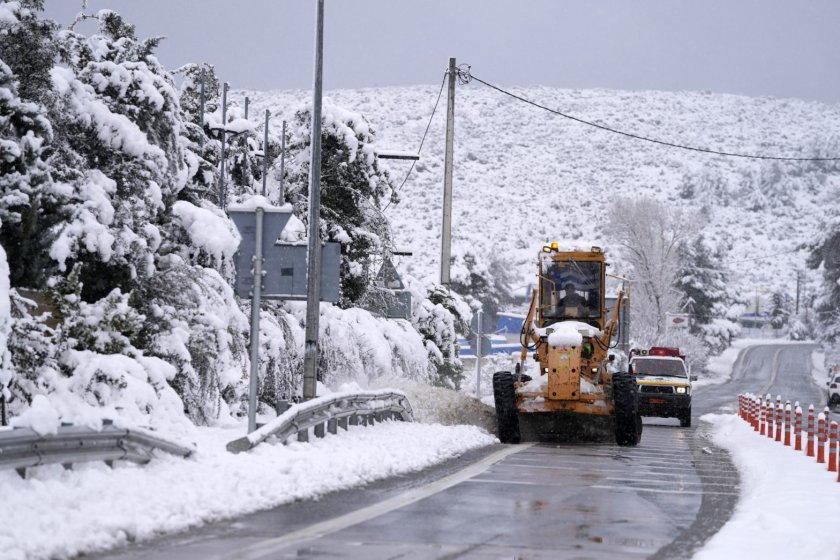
(465, 77)
(422, 140)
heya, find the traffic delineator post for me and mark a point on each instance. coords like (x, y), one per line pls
(787, 423)
(778, 421)
(771, 418)
(797, 427)
(763, 423)
(821, 438)
(810, 430)
(832, 447)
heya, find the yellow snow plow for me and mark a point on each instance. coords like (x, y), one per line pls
(573, 396)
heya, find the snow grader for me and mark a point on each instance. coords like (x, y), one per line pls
(573, 397)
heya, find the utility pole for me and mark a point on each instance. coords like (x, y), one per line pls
(313, 291)
(265, 154)
(201, 97)
(283, 165)
(222, 193)
(446, 235)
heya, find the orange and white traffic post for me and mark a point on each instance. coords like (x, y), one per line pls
(821, 438)
(778, 421)
(797, 427)
(809, 451)
(788, 423)
(832, 447)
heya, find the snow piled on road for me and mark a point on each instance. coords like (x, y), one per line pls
(58, 514)
(789, 504)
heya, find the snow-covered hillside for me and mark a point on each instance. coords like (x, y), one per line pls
(524, 176)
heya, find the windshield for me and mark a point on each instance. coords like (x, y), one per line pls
(571, 289)
(654, 366)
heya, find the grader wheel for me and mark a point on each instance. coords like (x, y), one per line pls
(628, 423)
(507, 417)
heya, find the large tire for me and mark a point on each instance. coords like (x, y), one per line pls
(834, 400)
(507, 417)
(628, 423)
(685, 418)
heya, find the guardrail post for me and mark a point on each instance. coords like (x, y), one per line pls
(343, 422)
(319, 430)
(832, 447)
(354, 420)
(797, 426)
(332, 426)
(303, 435)
(821, 438)
(787, 423)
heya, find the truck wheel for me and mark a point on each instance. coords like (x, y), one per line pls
(833, 400)
(685, 418)
(507, 417)
(628, 423)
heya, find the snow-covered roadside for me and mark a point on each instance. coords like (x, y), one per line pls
(58, 514)
(789, 504)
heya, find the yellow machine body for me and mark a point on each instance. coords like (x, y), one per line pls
(571, 342)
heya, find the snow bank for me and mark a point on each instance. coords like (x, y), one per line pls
(789, 504)
(58, 513)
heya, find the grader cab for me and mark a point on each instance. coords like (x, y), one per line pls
(571, 394)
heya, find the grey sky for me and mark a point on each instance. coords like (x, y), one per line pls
(751, 47)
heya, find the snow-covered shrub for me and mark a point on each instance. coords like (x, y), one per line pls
(439, 315)
(353, 187)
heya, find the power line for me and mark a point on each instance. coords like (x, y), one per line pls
(465, 76)
(422, 140)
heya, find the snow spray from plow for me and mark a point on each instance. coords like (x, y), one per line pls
(783, 423)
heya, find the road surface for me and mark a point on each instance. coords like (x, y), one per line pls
(661, 499)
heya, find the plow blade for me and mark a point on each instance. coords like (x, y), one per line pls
(566, 427)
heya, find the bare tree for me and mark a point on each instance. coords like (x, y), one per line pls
(650, 233)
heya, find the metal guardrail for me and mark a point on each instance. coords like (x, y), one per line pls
(21, 448)
(329, 412)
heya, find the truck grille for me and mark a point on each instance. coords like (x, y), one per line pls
(656, 389)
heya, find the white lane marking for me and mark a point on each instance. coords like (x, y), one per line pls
(592, 468)
(269, 547)
(775, 372)
(660, 491)
(598, 486)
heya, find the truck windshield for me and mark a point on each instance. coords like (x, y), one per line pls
(571, 289)
(658, 366)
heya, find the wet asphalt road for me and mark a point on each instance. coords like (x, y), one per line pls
(661, 499)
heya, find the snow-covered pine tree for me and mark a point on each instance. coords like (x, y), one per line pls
(353, 187)
(781, 309)
(439, 314)
(703, 281)
(484, 283)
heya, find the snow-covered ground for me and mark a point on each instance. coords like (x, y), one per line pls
(788, 506)
(57, 514)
